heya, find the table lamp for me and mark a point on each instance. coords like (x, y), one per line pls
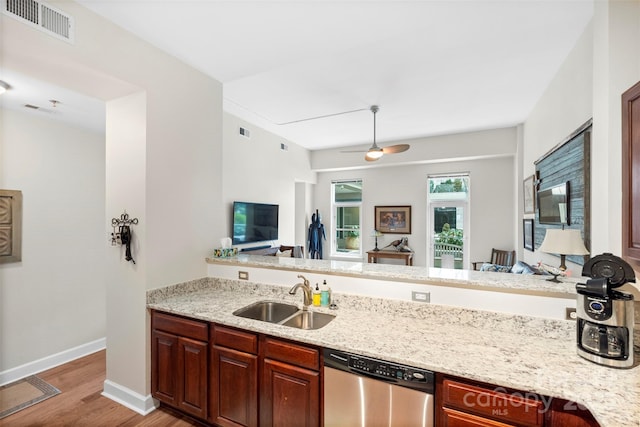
(376, 234)
(563, 242)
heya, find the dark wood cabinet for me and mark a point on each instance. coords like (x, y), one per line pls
(465, 403)
(290, 395)
(231, 377)
(290, 384)
(164, 378)
(631, 174)
(233, 400)
(179, 363)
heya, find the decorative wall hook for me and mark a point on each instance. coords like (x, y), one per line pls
(123, 235)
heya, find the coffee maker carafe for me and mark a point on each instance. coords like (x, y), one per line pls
(605, 316)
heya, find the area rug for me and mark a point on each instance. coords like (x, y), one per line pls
(24, 393)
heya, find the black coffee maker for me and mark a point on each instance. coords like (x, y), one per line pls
(605, 315)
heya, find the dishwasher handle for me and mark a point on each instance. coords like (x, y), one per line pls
(336, 359)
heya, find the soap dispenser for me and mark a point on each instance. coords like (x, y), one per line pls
(317, 296)
(324, 297)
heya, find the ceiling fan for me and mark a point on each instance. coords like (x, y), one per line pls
(375, 152)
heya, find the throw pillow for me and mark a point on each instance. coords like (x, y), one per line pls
(522, 267)
(495, 267)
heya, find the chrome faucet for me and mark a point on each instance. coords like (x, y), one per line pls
(306, 287)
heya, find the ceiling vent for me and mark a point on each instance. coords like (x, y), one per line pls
(41, 16)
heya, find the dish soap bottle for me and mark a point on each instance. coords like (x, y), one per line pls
(324, 297)
(317, 296)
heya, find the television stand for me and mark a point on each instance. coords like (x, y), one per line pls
(255, 248)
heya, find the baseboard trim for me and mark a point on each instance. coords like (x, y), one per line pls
(37, 366)
(143, 405)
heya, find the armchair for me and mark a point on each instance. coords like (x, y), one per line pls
(499, 257)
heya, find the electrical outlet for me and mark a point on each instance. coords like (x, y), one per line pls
(570, 313)
(243, 275)
(421, 296)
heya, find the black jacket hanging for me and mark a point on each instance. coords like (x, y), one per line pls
(125, 238)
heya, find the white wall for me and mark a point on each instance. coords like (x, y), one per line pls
(126, 183)
(256, 169)
(175, 183)
(616, 64)
(53, 300)
(565, 105)
(604, 63)
(492, 197)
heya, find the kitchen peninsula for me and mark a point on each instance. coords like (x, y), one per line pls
(529, 353)
(502, 292)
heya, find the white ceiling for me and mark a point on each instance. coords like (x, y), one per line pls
(71, 107)
(433, 67)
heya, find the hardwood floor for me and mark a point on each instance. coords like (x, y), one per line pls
(80, 403)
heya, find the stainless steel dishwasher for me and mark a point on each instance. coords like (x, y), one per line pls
(363, 391)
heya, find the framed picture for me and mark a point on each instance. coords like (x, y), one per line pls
(527, 234)
(393, 219)
(529, 195)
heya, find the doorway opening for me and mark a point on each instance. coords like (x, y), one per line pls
(448, 221)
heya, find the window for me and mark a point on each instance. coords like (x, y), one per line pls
(448, 216)
(346, 205)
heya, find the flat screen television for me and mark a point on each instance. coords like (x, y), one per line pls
(553, 204)
(254, 222)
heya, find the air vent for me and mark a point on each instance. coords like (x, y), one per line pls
(245, 132)
(42, 16)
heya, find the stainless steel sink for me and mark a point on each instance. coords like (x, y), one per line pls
(267, 311)
(284, 314)
(308, 320)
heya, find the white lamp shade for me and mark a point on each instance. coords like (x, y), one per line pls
(376, 233)
(563, 242)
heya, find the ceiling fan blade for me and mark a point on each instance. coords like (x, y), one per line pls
(392, 149)
(353, 151)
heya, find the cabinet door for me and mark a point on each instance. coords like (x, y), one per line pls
(631, 173)
(289, 396)
(192, 374)
(234, 388)
(164, 374)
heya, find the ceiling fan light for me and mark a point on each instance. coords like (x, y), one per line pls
(374, 154)
(4, 86)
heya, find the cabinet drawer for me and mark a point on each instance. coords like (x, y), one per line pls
(179, 326)
(497, 404)
(235, 339)
(453, 418)
(292, 353)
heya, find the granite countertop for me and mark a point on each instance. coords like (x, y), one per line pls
(504, 282)
(527, 353)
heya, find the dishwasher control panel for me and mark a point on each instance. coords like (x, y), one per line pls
(392, 372)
